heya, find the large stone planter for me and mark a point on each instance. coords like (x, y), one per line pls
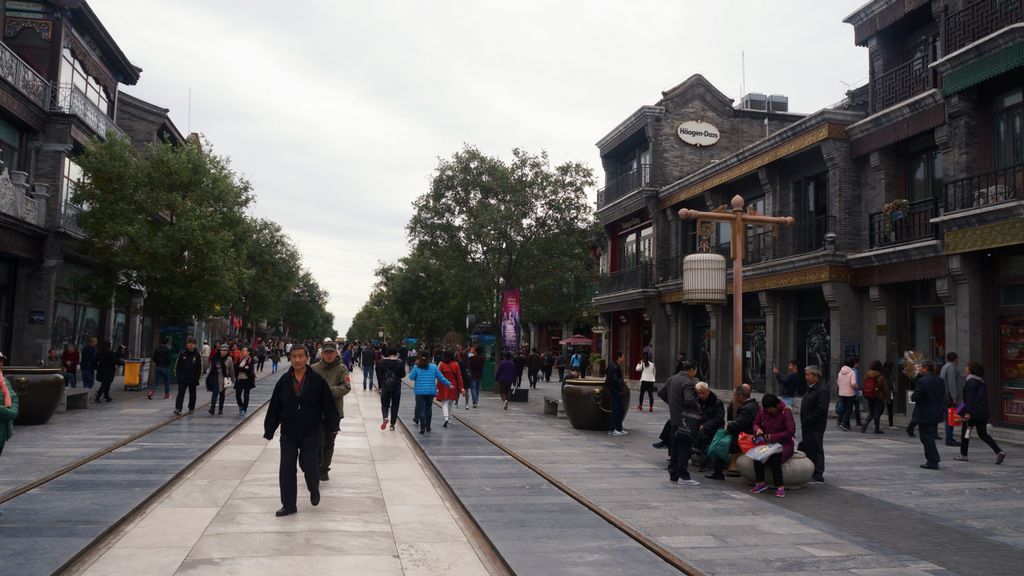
(796, 471)
(39, 390)
(587, 404)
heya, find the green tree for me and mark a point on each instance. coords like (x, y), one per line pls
(274, 270)
(305, 310)
(169, 219)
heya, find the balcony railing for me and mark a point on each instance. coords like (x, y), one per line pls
(668, 268)
(979, 20)
(69, 221)
(995, 187)
(68, 99)
(806, 235)
(759, 246)
(624, 185)
(900, 83)
(23, 77)
(632, 278)
(912, 226)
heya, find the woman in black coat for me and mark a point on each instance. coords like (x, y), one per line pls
(106, 366)
(976, 412)
(245, 381)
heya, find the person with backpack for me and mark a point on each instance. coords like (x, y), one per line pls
(576, 363)
(390, 372)
(560, 366)
(876, 390)
(451, 370)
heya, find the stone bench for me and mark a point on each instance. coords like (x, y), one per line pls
(796, 471)
(552, 405)
(73, 399)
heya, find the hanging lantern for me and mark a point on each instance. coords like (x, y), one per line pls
(704, 279)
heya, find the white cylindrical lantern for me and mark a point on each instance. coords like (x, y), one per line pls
(704, 279)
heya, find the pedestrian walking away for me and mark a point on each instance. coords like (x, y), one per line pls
(560, 366)
(534, 365)
(876, 389)
(954, 382)
(448, 395)
(680, 394)
(89, 363)
(520, 362)
(336, 374)
(425, 376)
(221, 374)
(261, 355)
(847, 384)
(368, 358)
(390, 373)
(548, 365)
(246, 380)
(646, 370)
(476, 374)
(615, 386)
(814, 421)
(505, 375)
(161, 369)
(275, 358)
(976, 413)
(774, 424)
(187, 368)
(106, 368)
(302, 405)
(928, 398)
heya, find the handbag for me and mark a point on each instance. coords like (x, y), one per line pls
(953, 418)
(762, 452)
(720, 445)
(745, 441)
(228, 383)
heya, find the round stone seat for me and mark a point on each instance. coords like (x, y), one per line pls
(796, 471)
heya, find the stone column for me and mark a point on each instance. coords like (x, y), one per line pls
(845, 212)
(41, 286)
(844, 321)
(721, 339)
(961, 294)
(767, 302)
(134, 324)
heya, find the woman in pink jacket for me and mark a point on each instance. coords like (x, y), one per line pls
(847, 382)
(775, 423)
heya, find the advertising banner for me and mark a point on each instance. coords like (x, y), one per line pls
(510, 305)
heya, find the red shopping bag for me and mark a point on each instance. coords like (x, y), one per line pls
(952, 418)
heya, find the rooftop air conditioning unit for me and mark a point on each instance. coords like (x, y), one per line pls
(778, 103)
(754, 101)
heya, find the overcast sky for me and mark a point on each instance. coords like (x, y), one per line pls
(338, 111)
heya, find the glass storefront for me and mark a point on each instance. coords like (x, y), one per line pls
(1010, 339)
(74, 324)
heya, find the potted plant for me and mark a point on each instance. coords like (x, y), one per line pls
(894, 211)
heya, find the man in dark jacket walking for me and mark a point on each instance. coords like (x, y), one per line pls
(742, 421)
(684, 412)
(814, 420)
(533, 362)
(368, 360)
(615, 385)
(188, 368)
(300, 404)
(929, 410)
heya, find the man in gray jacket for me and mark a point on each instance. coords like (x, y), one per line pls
(954, 380)
(684, 411)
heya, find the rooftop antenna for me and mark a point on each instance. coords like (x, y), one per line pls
(189, 121)
(743, 73)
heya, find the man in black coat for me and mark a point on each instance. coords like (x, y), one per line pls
(929, 410)
(712, 418)
(684, 413)
(300, 404)
(814, 420)
(615, 385)
(188, 368)
(741, 421)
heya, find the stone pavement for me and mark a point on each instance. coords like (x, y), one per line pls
(45, 528)
(380, 514)
(879, 514)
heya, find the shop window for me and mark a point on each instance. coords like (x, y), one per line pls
(1007, 132)
(925, 175)
(636, 247)
(69, 181)
(10, 145)
(73, 73)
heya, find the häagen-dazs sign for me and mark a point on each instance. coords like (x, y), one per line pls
(698, 133)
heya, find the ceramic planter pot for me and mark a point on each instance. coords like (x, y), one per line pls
(587, 404)
(39, 392)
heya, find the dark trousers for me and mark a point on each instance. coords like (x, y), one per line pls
(666, 434)
(220, 402)
(812, 443)
(88, 377)
(424, 409)
(856, 411)
(305, 449)
(260, 360)
(679, 453)
(875, 408)
(949, 434)
(561, 375)
(928, 433)
(241, 398)
(180, 400)
(534, 376)
(618, 412)
(889, 409)
(104, 391)
(326, 449)
(389, 402)
(775, 463)
(646, 388)
(547, 373)
(982, 427)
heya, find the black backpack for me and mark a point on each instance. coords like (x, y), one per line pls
(391, 381)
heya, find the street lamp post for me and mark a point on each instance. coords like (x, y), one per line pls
(738, 220)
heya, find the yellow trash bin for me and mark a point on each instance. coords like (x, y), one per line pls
(133, 374)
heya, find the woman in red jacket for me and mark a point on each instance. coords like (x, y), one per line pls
(451, 370)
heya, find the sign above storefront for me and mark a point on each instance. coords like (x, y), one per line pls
(698, 133)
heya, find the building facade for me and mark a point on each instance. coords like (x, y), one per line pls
(909, 205)
(61, 75)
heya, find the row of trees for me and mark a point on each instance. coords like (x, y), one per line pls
(484, 226)
(172, 219)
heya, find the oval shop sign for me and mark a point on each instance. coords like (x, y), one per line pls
(698, 133)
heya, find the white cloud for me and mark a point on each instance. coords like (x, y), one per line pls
(338, 111)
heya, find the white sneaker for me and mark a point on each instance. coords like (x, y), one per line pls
(506, 404)
(682, 482)
(617, 433)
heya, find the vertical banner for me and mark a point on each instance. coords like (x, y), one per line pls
(510, 319)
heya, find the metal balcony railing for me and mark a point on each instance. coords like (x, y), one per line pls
(806, 235)
(69, 221)
(995, 187)
(900, 83)
(624, 185)
(16, 71)
(911, 226)
(759, 246)
(68, 99)
(633, 278)
(668, 268)
(979, 20)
